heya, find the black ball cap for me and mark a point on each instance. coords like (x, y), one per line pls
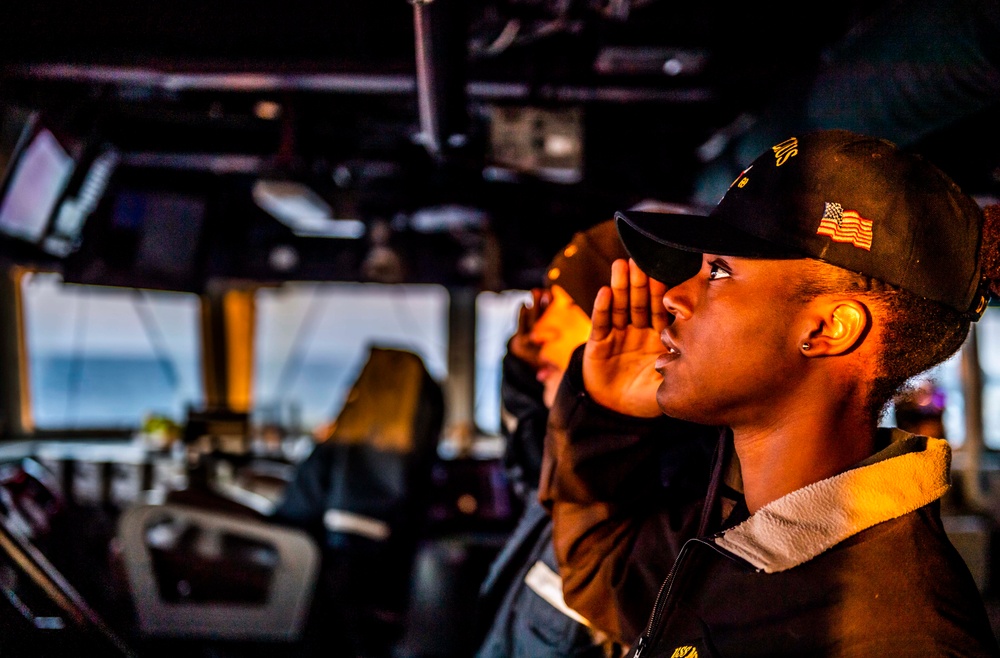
(851, 200)
(584, 265)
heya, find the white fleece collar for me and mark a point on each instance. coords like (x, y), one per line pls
(799, 526)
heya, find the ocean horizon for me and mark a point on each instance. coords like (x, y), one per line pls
(119, 392)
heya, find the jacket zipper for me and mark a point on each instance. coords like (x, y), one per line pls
(661, 601)
(664, 594)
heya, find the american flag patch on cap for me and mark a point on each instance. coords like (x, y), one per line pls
(846, 226)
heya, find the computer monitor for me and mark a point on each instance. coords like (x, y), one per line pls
(37, 174)
(147, 231)
(167, 225)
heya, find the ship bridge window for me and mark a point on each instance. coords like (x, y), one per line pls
(947, 379)
(102, 357)
(496, 320)
(312, 340)
(988, 339)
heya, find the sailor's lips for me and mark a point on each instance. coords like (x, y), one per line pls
(545, 371)
(671, 354)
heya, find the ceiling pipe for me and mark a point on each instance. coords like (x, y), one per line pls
(353, 83)
(439, 32)
(429, 129)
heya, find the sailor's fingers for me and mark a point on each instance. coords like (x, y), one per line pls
(524, 322)
(619, 294)
(601, 317)
(638, 296)
(659, 312)
(541, 303)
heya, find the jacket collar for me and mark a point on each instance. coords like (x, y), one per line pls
(912, 472)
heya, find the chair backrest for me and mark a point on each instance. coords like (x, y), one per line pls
(196, 573)
(371, 477)
(383, 406)
(364, 493)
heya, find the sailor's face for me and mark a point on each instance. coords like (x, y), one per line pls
(561, 329)
(731, 347)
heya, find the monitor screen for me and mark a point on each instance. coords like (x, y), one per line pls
(148, 230)
(36, 179)
(167, 225)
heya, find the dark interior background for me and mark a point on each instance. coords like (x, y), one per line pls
(670, 100)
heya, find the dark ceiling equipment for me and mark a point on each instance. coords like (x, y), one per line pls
(544, 116)
(440, 31)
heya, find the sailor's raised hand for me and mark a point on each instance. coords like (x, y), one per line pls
(618, 360)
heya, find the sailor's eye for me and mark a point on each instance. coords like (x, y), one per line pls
(716, 272)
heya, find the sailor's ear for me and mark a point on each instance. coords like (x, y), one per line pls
(835, 327)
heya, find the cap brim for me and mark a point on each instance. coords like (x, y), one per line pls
(668, 247)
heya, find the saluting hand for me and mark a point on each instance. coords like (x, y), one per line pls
(625, 341)
(521, 344)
